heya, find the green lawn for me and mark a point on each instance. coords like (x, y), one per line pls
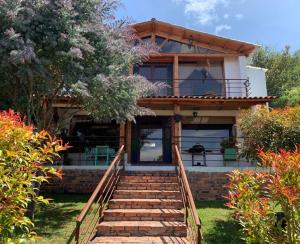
(55, 222)
(218, 226)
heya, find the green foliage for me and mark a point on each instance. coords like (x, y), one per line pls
(24, 156)
(77, 48)
(289, 98)
(255, 197)
(283, 72)
(269, 130)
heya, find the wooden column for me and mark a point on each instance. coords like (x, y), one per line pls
(176, 130)
(122, 133)
(128, 140)
(175, 77)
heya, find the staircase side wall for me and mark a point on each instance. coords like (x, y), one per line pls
(204, 185)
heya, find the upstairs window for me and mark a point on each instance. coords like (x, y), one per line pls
(173, 46)
(201, 79)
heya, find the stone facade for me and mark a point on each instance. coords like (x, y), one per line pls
(204, 185)
(208, 185)
(81, 181)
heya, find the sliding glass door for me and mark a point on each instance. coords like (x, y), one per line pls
(157, 72)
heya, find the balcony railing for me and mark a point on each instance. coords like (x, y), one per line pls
(204, 87)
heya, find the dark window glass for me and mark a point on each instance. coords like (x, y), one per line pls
(157, 73)
(199, 79)
(159, 40)
(172, 46)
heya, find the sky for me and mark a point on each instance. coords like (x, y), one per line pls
(275, 23)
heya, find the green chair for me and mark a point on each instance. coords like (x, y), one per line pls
(230, 154)
(105, 153)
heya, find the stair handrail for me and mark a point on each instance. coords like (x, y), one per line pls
(188, 200)
(105, 188)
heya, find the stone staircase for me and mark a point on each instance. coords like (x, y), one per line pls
(145, 208)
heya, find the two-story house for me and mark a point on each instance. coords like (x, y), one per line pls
(209, 82)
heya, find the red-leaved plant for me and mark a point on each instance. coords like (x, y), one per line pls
(25, 156)
(267, 203)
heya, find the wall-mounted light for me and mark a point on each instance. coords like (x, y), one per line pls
(195, 114)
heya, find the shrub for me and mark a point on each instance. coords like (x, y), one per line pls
(269, 130)
(256, 196)
(24, 163)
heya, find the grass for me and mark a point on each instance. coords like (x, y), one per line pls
(55, 222)
(218, 226)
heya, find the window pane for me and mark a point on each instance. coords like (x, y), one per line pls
(210, 139)
(159, 40)
(172, 46)
(201, 79)
(151, 145)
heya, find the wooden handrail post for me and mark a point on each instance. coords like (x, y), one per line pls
(188, 198)
(77, 233)
(199, 235)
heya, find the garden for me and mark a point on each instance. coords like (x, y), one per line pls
(55, 222)
(52, 49)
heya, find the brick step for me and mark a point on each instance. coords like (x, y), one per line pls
(147, 186)
(146, 194)
(141, 228)
(148, 179)
(145, 203)
(140, 240)
(144, 214)
(151, 173)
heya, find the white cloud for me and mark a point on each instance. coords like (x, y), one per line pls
(203, 10)
(220, 28)
(239, 16)
(226, 16)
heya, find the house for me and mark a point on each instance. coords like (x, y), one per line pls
(209, 82)
(194, 128)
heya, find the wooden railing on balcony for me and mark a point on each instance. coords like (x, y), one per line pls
(92, 212)
(191, 217)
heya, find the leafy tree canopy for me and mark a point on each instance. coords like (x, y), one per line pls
(269, 131)
(283, 74)
(66, 47)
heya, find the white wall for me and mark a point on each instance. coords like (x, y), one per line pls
(257, 79)
(234, 69)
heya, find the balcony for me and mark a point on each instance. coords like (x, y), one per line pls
(204, 87)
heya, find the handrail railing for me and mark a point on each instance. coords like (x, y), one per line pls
(204, 87)
(92, 212)
(191, 217)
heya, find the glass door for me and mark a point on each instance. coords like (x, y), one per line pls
(151, 144)
(151, 140)
(157, 72)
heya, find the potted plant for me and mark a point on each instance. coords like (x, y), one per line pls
(229, 149)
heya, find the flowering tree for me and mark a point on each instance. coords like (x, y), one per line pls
(269, 130)
(24, 156)
(53, 48)
(256, 198)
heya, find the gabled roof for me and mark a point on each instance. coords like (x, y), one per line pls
(198, 38)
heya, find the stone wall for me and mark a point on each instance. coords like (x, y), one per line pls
(208, 185)
(204, 185)
(74, 181)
